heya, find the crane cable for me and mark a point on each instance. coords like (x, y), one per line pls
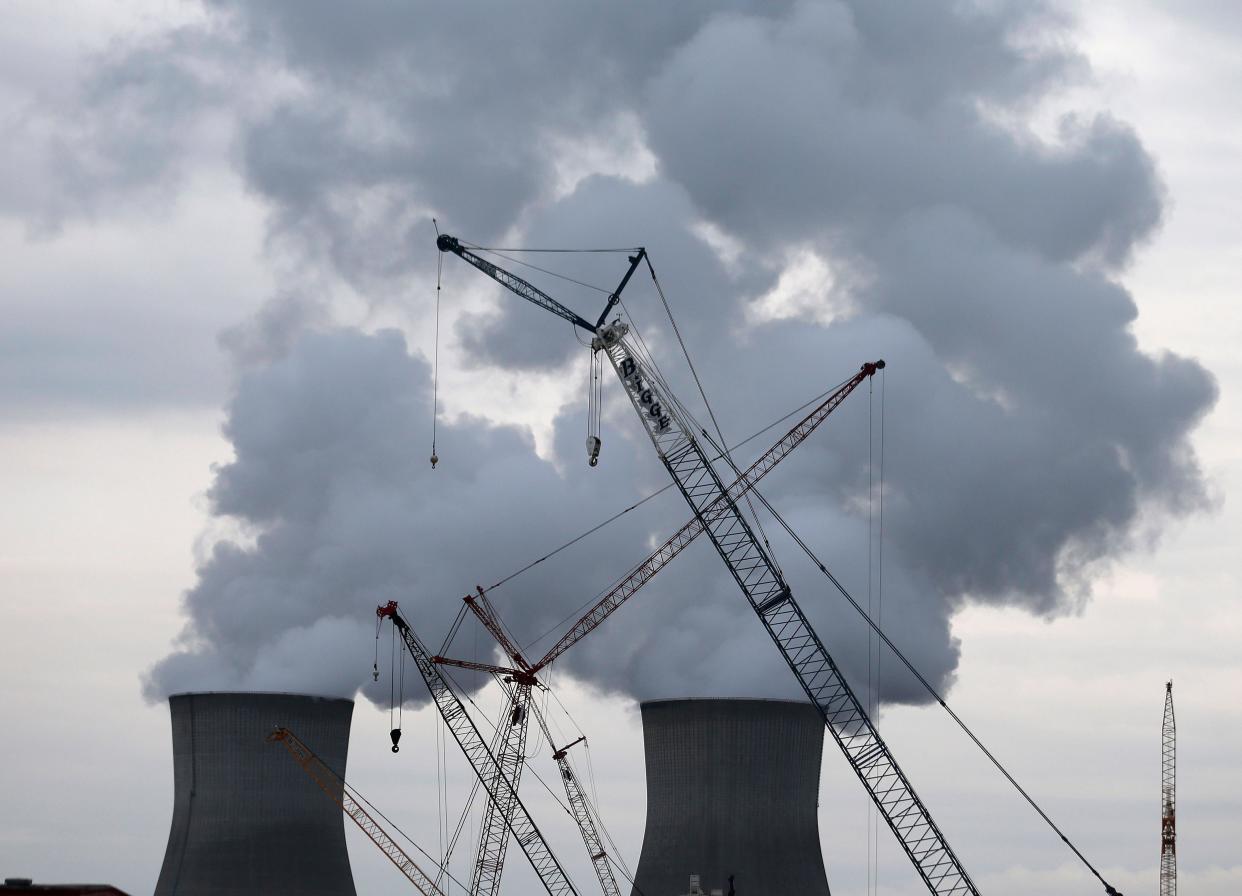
(614, 856)
(535, 267)
(465, 695)
(927, 685)
(655, 494)
(712, 414)
(879, 600)
(867, 617)
(578, 611)
(435, 370)
(357, 796)
(872, 684)
(875, 609)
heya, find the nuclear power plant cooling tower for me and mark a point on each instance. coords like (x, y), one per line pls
(732, 789)
(247, 821)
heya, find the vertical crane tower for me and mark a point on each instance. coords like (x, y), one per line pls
(1168, 798)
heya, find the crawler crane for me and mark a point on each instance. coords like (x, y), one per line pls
(345, 797)
(687, 453)
(510, 742)
(481, 758)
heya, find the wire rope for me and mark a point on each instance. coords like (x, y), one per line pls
(435, 370)
(358, 797)
(592, 802)
(492, 725)
(879, 600)
(535, 267)
(581, 607)
(703, 394)
(550, 251)
(871, 682)
(806, 549)
(441, 869)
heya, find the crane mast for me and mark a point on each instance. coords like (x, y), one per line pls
(687, 462)
(643, 572)
(499, 789)
(673, 546)
(335, 788)
(1168, 798)
(581, 810)
(509, 748)
(509, 745)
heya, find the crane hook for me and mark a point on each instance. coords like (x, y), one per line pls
(434, 460)
(375, 671)
(395, 734)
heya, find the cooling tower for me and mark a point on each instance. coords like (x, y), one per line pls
(732, 789)
(247, 821)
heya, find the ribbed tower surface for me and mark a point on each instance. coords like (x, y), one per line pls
(732, 789)
(247, 821)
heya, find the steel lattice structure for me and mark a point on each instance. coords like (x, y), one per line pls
(772, 600)
(340, 794)
(499, 789)
(1168, 798)
(491, 853)
(581, 810)
(676, 441)
(673, 546)
(509, 748)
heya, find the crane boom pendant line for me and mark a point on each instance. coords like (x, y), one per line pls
(499, 789)
(772, 600)
(688, 463)
(751, 567)
(351, 804)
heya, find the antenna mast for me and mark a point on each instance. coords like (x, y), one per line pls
(1168, 798)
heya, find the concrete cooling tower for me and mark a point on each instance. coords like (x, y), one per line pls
(247, 821)
(732, 789)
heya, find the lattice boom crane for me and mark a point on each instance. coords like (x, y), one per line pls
(336, 789)
(509, 746)
(496, 783)
(677, 442)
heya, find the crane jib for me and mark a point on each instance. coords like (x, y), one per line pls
(761, 583)
(643, 394)
(756, 575)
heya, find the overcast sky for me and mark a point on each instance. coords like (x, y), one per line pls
(215, 391)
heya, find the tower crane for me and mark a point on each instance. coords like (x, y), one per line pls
(341, 794)
(509, 747)
(496, 784)
(680, 445)
(1168, 798)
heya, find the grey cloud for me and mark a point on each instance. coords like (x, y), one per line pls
(857, 150)
(1026, 433)
(431, 108)
(122, 135)
(105, 362)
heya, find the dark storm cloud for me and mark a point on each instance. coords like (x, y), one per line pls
(1025, 430)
